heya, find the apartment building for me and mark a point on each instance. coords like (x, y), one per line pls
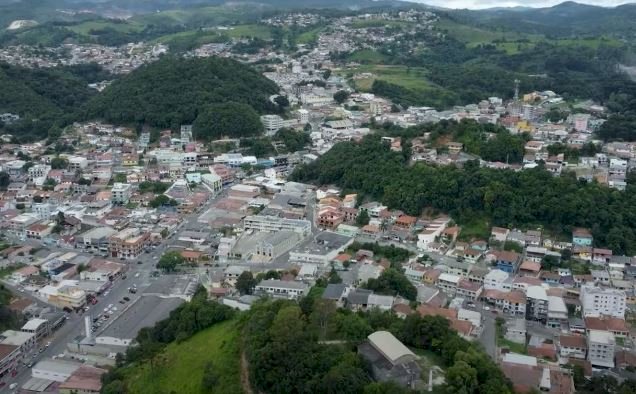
(120, 193)
(601, 345)
(537, 304)
(128, 243)
(597, 301)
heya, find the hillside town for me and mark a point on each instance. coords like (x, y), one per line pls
(108, 229)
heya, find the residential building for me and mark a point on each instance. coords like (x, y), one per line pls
(597, 301)
(9, 358)
(120, 193)
(495, 279)
(601, 345)
(36, 327)
(508, 261)
(283, 289)
(448, 283)
(582, 237)
(537, 304)
(129, 243)
(574, 346)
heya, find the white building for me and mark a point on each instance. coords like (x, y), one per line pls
(494, 280)
(448, 283)
(302, 115)
(121, 192)
(275, 224)
(597, 301)
(600, 345)
(42, 210)
(213, 182)
(283, 288)
(272, 123)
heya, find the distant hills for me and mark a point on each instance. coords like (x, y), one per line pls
(563, 19)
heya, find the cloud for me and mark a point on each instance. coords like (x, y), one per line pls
(479, 4)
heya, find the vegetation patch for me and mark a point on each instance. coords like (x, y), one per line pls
(181, 367)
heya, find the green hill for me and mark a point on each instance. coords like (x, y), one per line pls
(175, 91)
(180, 368)
(51, 96)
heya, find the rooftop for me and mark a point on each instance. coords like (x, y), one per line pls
(391, 347)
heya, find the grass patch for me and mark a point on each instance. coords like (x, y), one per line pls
(258, 31)
(6, 271)
(410, 78)
(367, 56)
(475, 229)
(513, 346)
(379, 23)
(85, 28)
(181, 366)
(309, 36)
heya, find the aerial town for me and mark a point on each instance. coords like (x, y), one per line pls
(109, 229)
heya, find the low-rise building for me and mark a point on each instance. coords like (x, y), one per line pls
(282, 288)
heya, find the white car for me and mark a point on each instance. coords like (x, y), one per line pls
(114, 309)
(486, 308)
(110, 306)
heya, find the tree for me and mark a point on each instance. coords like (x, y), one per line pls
(169, 261)
(326, 74)
(341, 96)
(162, 200)
(461, 378)
(334, 278)
(392, 282)
(5, 180)
(245, 283)
(59, 163)
(282, 101)
(49, 184)
(363, 218)
(229, 119)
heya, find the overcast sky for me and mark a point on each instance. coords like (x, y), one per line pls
(476, 4)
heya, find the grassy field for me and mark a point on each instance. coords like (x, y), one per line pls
(367, 56)
(124, 27)
(259, 31)
(309, 36)
(181, 367)
(412, 78)
(379, 23)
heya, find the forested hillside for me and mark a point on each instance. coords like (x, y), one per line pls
(44, 98)
(527, 198)
(175, 91)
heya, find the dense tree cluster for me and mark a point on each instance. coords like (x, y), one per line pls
(229, 119)
(293, 140)
(273, 328)
(502, 197)
(9, 320)
(45, 99)
(392, 282)
(174, 91)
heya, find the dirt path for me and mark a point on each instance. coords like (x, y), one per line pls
(245, 375)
